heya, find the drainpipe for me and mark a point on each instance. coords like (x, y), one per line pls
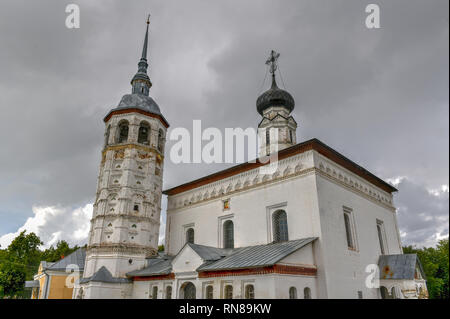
(47, 284)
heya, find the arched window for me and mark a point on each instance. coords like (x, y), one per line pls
(384, 293)
(108, 131)
(155, 292)
(228, 292)
(249, 292)
(144, 130)
(209, 292)
(188, 291)
(190, 235)
(393, 293)
(307, 293)
(292, 293)
(267, 137)
(160, 140)
(169, 292)
(122, 136)
(280, 226)
(228, 234)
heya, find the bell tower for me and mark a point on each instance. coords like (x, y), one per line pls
(277, 129)
(125, 221)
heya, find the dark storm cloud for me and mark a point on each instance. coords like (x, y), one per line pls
(423, 216)
(378, 96)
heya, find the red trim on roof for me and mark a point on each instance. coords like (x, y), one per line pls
(313, 144)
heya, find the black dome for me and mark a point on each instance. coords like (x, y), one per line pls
(275, 97)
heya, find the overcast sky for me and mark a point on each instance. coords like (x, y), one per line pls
(378, 96)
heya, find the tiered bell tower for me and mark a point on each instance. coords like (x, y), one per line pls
(277, 129)
(125, 221)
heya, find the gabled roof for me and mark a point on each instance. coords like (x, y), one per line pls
(155, 266)
(208, 253)
(401, 266)
(257, 256)
(313, 144)
(76, 258)
(226, 259)
(103, 275)
(46, 264)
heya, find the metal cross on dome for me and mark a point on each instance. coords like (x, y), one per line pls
(272, 61)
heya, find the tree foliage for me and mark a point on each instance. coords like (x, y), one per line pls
(61, 250)
(20, 261)
(435, 263)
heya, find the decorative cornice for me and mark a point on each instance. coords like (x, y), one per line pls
(313, 144)
(126, 216)
(260, 183)
(122, 248)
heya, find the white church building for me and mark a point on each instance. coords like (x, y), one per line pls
(317, 227)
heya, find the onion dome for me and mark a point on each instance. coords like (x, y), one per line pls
(274, 97)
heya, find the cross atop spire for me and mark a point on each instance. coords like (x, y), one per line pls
(141, 82)
(272, 61)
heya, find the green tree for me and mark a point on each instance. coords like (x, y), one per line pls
(54, 254)
(12, 279)
(435, 262)
(18, 263)
(24, 251)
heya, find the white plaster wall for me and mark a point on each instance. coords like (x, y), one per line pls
(345, 269)
(250, 211)
(303, 256)
(266, 287)
(99, 290)
(188, 260)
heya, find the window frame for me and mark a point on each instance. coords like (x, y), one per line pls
(350, 229)
(278, 235)
(160, 142)
(121, 124)
(381, 234)
(154, 294)
(293, 294)
(226, 292)
(187, 235)
(145, 125)
(169, 296)
(247, 292)
(307, 293)
(225, 232)
(209, 293)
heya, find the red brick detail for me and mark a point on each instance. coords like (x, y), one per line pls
(170, 276)
(275, 269)
(163, 121)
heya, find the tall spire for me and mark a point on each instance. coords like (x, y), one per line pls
(141, 82)
(144, 49)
